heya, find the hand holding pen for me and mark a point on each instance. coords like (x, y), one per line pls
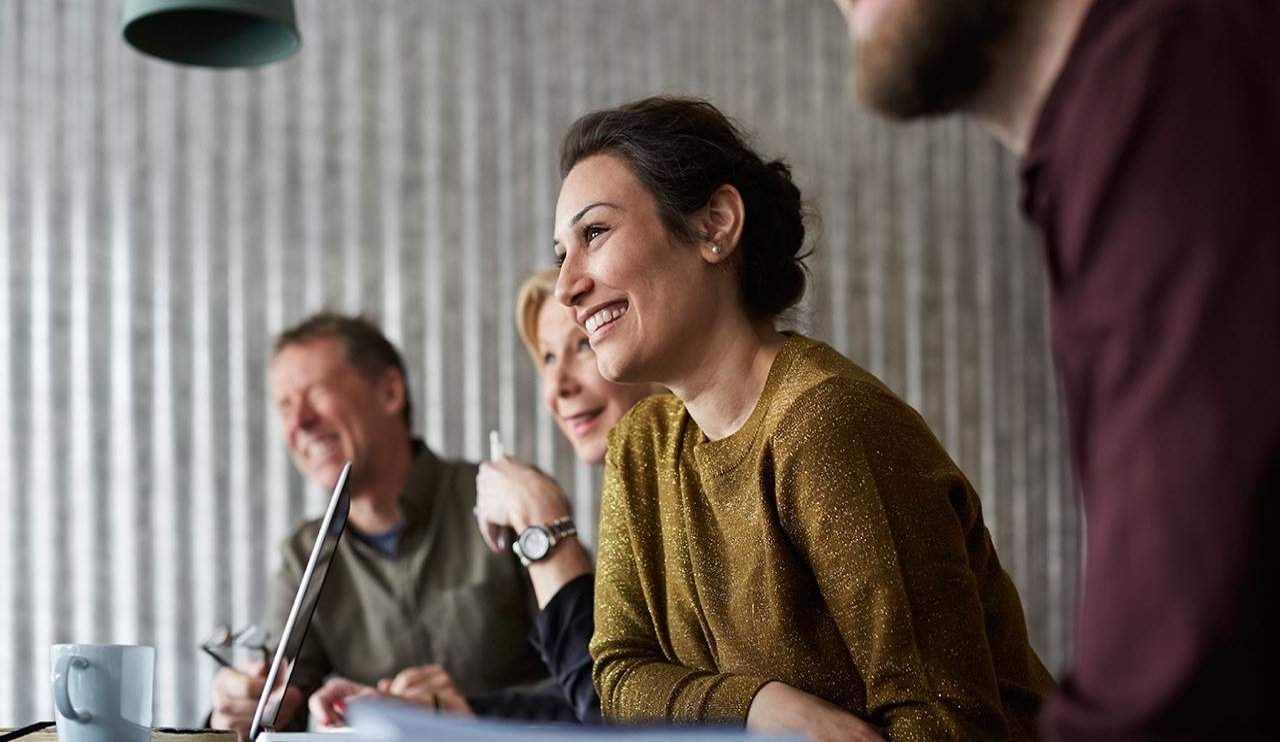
(512, 495)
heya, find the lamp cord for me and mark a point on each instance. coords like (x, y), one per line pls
(25, 731)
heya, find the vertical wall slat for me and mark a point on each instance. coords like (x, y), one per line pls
(164, 524)
(389, 146)
(476, 278)
(347, 100)
(545, 66)
(42, 524)
(58, 129)
(121, 163)
(18, 334)
(510, 261)
(203, 585)
(284, 282)
(238, 192)
(84, 530)
(11, 670)
(433, 99)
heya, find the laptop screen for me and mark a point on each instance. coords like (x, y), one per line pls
(304, 604)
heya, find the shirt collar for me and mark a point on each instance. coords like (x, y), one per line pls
(418, 494)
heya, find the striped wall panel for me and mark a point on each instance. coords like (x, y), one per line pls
(158, 225)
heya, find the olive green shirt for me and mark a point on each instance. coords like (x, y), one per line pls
(442, 598)
(830, 544)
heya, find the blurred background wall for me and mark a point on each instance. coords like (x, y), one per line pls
(159, 224)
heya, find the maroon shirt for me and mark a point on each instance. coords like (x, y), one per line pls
(1154, 173)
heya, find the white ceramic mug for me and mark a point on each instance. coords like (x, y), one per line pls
(102, 692)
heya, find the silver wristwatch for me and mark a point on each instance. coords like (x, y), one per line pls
(535, 542)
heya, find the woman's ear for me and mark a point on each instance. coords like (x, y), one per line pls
(721, 221)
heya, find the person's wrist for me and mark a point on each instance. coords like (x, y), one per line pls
(522, 520)
(539, 516)
(557, 559)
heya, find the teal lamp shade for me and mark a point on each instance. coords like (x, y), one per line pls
(213, 33)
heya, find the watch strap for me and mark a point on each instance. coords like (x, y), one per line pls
(561, 529)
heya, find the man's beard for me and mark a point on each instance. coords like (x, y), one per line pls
(931, 56)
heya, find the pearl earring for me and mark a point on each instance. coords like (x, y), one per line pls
(715, 249)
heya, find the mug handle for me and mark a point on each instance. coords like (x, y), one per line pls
(61, 695)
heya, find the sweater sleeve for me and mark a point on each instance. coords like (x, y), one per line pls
(635, 678)
(881, 515)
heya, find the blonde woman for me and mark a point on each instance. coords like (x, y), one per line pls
(513, 494)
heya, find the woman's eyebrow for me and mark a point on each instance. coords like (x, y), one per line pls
(578, 216)
(555, 242)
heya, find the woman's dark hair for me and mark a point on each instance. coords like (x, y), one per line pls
(682, 150)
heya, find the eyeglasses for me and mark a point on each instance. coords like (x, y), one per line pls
(223, 642)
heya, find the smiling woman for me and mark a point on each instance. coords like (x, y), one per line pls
(583, 403)
(783, 542)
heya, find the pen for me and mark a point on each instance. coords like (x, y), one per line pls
(496, 452)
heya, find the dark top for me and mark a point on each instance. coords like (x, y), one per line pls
(561, 632)
(384, 543)
(1152, 172)
(544, 703)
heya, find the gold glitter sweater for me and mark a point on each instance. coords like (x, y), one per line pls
(830, 544)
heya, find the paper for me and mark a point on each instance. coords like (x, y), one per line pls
(391, 721)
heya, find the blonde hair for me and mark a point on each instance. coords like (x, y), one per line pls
(533, 294)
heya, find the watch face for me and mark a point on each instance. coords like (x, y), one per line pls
(534, 543)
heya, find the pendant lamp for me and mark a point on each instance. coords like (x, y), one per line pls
(213, 33)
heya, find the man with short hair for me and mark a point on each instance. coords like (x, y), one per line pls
(1149, 137)
(412, 588)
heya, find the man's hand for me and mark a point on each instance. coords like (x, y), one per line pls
(513, 494)
(235, 698)
(329, 704)
(778, 707)
(427, 685)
